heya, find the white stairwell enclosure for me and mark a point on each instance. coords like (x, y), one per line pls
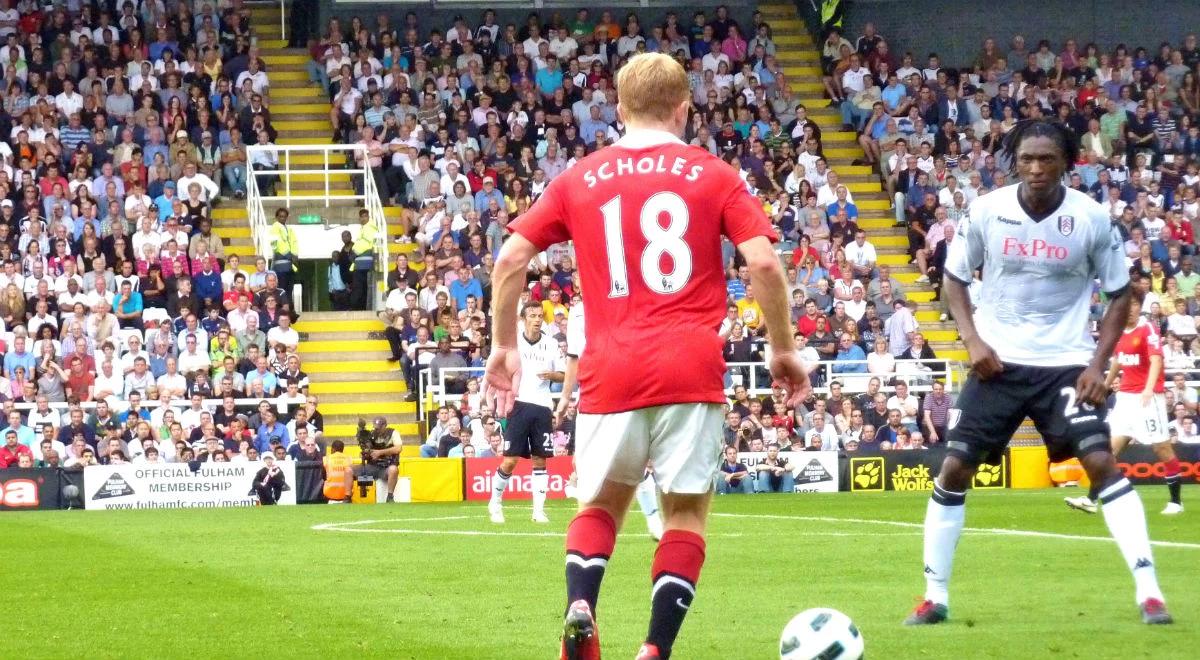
(331, 166)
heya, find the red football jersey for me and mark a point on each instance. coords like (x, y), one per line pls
(1133, 352)
(647, 215)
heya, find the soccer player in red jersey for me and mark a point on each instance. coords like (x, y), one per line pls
(647, 215)
(1140, 412)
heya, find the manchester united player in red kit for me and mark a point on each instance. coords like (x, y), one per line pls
(647, 215)
(1140, 413)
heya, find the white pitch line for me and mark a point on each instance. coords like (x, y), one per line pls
(440, 532)
(359, 527)
(337, 526)
(974, 530)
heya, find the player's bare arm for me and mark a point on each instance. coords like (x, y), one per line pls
(1091, 385)
(984, 361)
(1110, 379)
(1156, 370)
(552, 376)
(766, 275)
(504, 363)
(570, 379)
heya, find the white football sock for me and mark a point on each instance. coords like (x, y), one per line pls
(944, 517)
(647, 498)
(1126, 520)
(499, 484)
(541, 483)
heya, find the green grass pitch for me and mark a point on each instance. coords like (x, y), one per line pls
(439, 581)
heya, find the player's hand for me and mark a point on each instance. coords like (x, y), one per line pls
(501, 379)
(984, 361)
(560, 410)
(1091, 386)
(790, 372)
(1146, 398)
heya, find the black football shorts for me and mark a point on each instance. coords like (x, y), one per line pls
(987, 413)
(528, 430)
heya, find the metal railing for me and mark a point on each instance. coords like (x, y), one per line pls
(918, 374)
(340, 160)
(279, 403)
(283, 19)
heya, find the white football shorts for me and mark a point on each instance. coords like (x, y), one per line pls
(1144, 425)
(683, 440)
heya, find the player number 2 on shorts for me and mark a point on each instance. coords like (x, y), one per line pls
(1069, 408)
(668, 241)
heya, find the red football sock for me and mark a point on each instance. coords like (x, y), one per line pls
(675, 572)
(1171, 470)
(591, 537)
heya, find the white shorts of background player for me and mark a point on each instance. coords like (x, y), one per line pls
(1145, 425)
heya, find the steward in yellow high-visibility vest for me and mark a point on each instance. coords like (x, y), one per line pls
(285, 249)
(832, 13)
(364, 260)
(339, 473)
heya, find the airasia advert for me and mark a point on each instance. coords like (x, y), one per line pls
(480, 471)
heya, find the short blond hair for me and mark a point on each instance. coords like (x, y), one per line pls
(652, 86)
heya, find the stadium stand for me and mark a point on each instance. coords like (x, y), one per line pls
(138, 244)
(135, 312)
(469, 121)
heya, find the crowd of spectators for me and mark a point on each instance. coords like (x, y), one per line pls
(127, 331)
(465, 124)
(935, 134)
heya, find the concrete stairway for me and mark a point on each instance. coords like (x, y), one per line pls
(345, 356)
(800, 59)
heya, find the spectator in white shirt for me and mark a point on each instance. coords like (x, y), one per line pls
(43, 414)
(828, 193)
(284, 334)
(946, 195)
(907, 403)
(192, 359)
(257, 77)
(820, 430)
(110, 382)
(712, 61)
(209, 190)
(1180, 323)
(856, 307)
(900, 328)
(69, 101)
(239, 317)
(844, 286)
(862, 256)
(853, 77)
(172, 382)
